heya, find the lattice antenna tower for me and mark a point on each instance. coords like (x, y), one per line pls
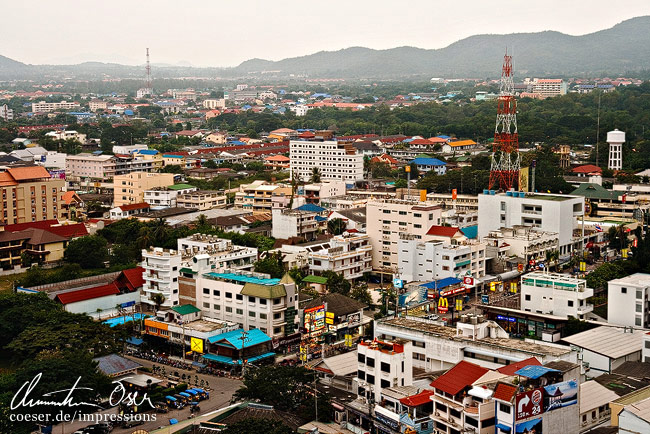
(504, 169)
(148, 69)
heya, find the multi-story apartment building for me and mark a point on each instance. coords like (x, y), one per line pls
(97, 104)
(290, 223)
(161, 273)
(252, 300)
(335, 161)
(550, 212)
(213, 104)
(383, 364)
(166, 196)
(91, 167)
(387, 219)
(6, 114)
(421, 260)
(202, 200)
(549, 87)
(222, 252)
(521, 244)
(130, 188)
(315, 193)
(555, 294)
(40, 107)
(474, 339)
(349, 255)
(259, 196)
(29, 194)
(628, 300)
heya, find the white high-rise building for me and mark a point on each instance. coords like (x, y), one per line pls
(628, 300)
(555, 294)
(615, 139)
(336, 161)
(161, 272)
(6, 113)
(383, 364)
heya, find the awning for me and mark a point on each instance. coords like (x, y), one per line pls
(220, 359)
(483, 352)
(260, 357)
(503, 427)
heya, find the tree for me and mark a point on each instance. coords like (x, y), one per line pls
(271, 264)
(158, 299)
(361, 294)
(336, 226)
(202, 221)
(211, 164)
(88, 252)
(315, 175)
(337, 283)
(172, 168)
(552, 256)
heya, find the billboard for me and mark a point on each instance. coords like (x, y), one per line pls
(196, 345)
(533, 426)
(560, 395)
(530, 403)
(315, 319)
(523, 179)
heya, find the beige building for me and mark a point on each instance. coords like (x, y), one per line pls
(130, 188)
(214, 103)
(97, 104)
(387, 219)
(51, 106)
(86, 166)
(258, 196)
(29, 194)
(202, 200)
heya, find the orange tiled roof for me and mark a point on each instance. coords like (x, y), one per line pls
(6, 179)
(28, 172)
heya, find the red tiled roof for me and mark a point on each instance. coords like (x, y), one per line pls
(68, 196)
(421, 142)
(133, 277)
(43, 224)
(587, 168)
(69, 231)
(419, 399)
(6, 180)
(504, 392)
(443, 231)
(459, 377)
(514, 367)
(28, 172)
(133, 206)
(88, 293)
(282, 158)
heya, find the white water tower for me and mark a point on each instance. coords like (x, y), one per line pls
(615, 139)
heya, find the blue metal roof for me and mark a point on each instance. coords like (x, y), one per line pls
(243, 278)
(236, 142)
(320, 219)
(534, 371)
(429, 162)
(147, 152)
(229, 361)
(442, 283)
(233, 339)
(311, 208)
(172, 156)
(444, 137)
(470, 231)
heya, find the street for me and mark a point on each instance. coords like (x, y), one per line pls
(221, 390)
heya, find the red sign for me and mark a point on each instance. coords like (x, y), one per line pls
(530, 403)
(469, 281)
(455, 291)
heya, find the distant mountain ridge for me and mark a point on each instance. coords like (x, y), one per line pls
(617, 50)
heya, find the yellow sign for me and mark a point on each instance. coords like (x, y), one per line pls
(493, 286)
(523, 179)
(407, 169)
(513, 287)
(624, 253)
(348, 340)
(329, 317)
(583, 266)
(423, 195)
(459, 304)
(196, 345)
(443, 302)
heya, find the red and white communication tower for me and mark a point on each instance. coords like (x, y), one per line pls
(148, 69)
(504, 170)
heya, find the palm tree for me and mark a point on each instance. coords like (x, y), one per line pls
(336, 226)
(145, 239)
(160, 230)
(158, 299)
(552, 256)
(315, 175)
(202, 221)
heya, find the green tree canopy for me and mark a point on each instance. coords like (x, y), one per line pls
(88, 252)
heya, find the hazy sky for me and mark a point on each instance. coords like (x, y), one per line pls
(226, 32)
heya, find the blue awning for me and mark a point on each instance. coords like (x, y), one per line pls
(260, 357)
(173, 421)
(171, 398)
(220, 359)
(503, 427)
(134, 341)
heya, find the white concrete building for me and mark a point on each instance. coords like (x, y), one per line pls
(222, 252)
(628, 300)
(549, 87)
(550, 212)
(54, 160)
(646, 348)
(387, 219)
(349, 255)
(129, 149)
(475, 340)
(289, 223)
(252, 300)
(165, 197)
(6, 113)
(214, 103)
(161, 273)
(67, 135)
(334, 160)
(615, 139)
(521, 242)
(555, 294)
(603, 349)
(315, 193)
(383, 364)
(202, 200)
(422, 261)
(52, 106)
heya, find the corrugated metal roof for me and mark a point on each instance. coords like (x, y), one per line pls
(234, 338)
(612, 342)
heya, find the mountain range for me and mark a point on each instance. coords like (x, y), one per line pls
(624, 48)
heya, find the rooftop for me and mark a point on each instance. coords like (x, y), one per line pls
(612, 342)
(243, 278)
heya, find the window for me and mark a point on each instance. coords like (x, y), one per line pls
(251, 314)
(263, 301)
(361, 358)
(239, 311)
(527, 297)
(251, 299)
(504, 408)
(471, 422)
(263, 316)
(228, 309)
(239, 297)
(570, 303)
(417, 226)
(216, 293)
(361, 375)
(384, 384)
(417, 215)
(386, 211)
(206, 291)
(206, 305)
(370, 362)
(623, 290)
(217, 307)
(370, 379)
(639, 294)
(385, 367)
(228, 294)
(402, 213)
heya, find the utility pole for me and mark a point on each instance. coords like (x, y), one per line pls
(315, 397)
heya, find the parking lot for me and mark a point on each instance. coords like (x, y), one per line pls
(221, 390)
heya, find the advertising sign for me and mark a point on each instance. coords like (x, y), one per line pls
(560, 395)
(398, 283)
(196, 345)
(329, 317)
(455, 291)
(315, 319)
(533, 426)
(354, 319)
(468, 281)
(443, 305)
(530, 403)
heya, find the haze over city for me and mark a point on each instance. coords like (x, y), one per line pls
(226, 33)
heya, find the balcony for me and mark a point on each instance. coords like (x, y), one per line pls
(582, 310)
(278, 307)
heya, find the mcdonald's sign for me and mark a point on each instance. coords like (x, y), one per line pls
(443, 305)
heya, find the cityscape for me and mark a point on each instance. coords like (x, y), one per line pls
(441, 240)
